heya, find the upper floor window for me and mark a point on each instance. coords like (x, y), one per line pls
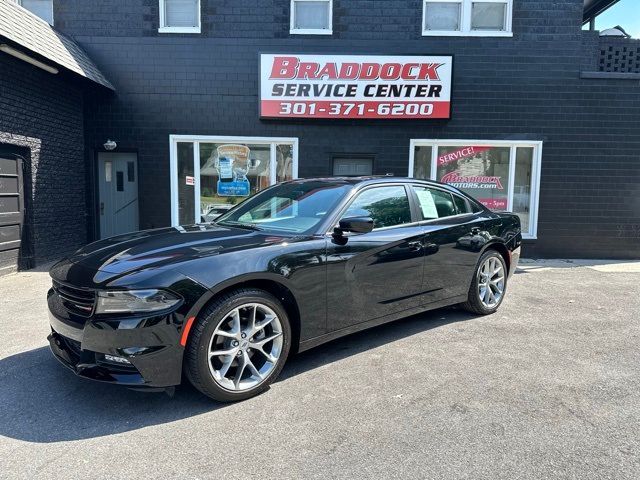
(41, 8)
(313, 17)
(490, 18)
(179, 16)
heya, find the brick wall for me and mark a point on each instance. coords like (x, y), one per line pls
(44, 114)
(523, 88)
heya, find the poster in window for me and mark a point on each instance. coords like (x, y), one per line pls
(481, 171)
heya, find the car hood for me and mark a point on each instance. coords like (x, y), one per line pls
(162, 247)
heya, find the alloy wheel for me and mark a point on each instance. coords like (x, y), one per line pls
(491, 282)
(245, 347)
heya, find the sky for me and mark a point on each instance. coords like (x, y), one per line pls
(625, 13)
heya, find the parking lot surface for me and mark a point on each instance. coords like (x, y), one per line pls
(548, 387)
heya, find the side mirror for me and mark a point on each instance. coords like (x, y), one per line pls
(356, 224)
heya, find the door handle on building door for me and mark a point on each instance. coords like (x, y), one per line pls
(101, 208)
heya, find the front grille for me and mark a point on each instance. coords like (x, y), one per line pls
(77, 300)
(73, 345)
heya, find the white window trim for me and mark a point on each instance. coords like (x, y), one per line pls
(513, 144)
(309, 31)
(163, 29)
(465, 21)
(19, 2)
(197, 140)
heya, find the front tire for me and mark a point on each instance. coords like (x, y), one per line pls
(489, 284)
(238, 345)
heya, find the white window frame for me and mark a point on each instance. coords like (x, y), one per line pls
(465, 20)
(164, 29)
(197, 140)
(19, 2)
(309, 31)
(513, 144)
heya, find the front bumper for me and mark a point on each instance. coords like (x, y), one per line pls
(151, 345)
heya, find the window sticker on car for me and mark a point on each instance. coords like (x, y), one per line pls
(427, 204)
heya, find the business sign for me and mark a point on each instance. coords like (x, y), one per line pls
(233, 164)
(355, 86)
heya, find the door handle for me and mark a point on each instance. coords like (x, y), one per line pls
(415, 246)
(101, 208)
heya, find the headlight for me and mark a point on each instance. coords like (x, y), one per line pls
(123, 301)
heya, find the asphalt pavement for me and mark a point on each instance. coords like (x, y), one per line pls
(547, 388)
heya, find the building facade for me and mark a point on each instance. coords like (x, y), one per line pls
(544, 117)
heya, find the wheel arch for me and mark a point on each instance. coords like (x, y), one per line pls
(275, 286)
(502, 249)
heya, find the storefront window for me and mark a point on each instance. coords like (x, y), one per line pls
(501, 176)
(284, 159)
(215, 173)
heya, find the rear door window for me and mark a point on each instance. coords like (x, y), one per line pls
(434, 203)
(461, 205)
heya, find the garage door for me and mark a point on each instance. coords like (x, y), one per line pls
(11, 211)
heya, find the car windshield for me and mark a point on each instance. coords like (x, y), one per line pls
(296, 207)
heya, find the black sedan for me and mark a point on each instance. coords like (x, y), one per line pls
(297, 265)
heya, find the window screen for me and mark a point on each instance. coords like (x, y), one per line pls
(311, 15)
(181, 13)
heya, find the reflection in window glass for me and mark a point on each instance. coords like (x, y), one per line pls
(481, 171)
(442, 16)
(186, 202)
(229, 173)
(488, 16)
(522, 186)
(388, 206)
(422, 162)
(284, 163)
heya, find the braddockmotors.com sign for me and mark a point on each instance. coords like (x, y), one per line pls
(355, 86)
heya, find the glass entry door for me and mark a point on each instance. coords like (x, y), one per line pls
(212, 174)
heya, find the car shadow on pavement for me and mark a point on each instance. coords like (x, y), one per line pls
(42, 402)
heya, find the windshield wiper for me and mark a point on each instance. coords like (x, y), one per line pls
(248, 226)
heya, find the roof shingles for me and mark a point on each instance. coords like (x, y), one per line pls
(32, 33)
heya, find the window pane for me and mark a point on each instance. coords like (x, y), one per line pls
(422, 163)
(181, 13)
(352, 167)
(284, 163)
(461, 205)
(186, 200)
(435, 203)
(229, 173)
(480, 171)
(41, 8)
(312, 15)
(488, 16)
(444, 16)
(387, 206)
(522, 186)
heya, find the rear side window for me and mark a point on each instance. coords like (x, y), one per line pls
(461, 204)
(388, 206)
(435, 203)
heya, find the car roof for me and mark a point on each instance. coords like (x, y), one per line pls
(373, 180)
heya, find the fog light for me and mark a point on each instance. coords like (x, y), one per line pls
(115, 359)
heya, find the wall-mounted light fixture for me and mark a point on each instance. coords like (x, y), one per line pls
(26, 58)
(110, 145)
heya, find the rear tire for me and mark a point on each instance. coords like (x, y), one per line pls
(238, 345)
(489, 284)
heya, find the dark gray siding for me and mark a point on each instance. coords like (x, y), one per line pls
(524, 88)
(43, 113)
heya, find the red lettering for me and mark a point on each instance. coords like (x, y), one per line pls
(407, 71)
(308, 71)
(329, 70)
(370, 71)
(349, 71)
(429, 71)
(284, 68)
(391, 71)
